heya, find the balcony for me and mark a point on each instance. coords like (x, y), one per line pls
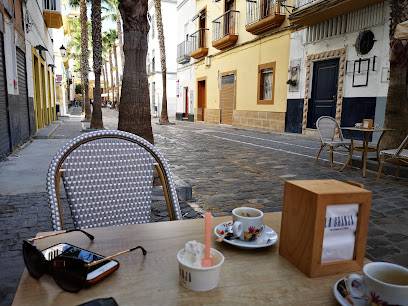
(225, 30)
(197, 44)
(52, 14)
(263, 15)
(311, 12)
(182, 53)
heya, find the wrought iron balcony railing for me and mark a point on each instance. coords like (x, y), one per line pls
(197, 44)
(182, 53)
(303, 3)
(258, 10)
(198, 40)
(226, 24)
(52, 5)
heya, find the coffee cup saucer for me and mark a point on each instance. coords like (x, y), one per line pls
(344, 297)
(267, 238)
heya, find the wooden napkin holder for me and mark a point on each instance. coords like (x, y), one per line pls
(303, 224)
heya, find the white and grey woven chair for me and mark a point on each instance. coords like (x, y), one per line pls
(327, 127)
(394, 156)
(108, 178)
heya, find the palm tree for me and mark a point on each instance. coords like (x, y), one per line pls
(84, 55)
(105, 47)
(114, 36)
(160, 35)
(134, 112)
(111, 39)
(111, 11)
(396, 110)
(96, 122)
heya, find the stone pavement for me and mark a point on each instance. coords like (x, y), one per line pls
(226, 168)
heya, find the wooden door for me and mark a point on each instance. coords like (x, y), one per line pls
(324, 91)
(201, 100)
(227, 98)
(229, 18)
(201, 34)
(186, 101)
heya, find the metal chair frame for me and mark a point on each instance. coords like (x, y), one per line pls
(394, 156)
(328, 137)
(56, 171)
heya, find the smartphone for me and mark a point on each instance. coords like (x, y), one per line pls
(95, 273)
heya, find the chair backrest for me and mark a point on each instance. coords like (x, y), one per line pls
(402, 146)
(327, 128)
(108, 178)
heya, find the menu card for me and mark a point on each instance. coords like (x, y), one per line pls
(339, 232)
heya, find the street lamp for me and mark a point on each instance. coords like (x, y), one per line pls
(63, 51)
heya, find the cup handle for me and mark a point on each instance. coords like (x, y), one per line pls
(237, 229)
(354, 285)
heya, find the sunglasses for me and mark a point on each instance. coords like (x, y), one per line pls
(69, 273)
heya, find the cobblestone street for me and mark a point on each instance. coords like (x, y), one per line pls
(226, 168)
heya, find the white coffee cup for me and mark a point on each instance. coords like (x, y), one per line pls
(382, 283)
(248, 222)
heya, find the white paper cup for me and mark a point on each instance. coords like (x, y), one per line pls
(200, 279)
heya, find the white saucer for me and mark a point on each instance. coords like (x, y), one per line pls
(267, 238)
(344, 297)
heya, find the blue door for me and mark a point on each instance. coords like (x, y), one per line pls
(324, 91)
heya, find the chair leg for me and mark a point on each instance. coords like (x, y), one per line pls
(318, 154)
(331, 157)
(398, 169)
(380, 169)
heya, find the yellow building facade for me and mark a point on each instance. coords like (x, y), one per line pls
(242, 58)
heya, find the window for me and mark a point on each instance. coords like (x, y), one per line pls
(266, 83)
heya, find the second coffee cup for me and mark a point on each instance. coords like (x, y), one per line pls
(248, 223)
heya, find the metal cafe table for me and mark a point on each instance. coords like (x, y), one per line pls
(364, 148)
(248, 276)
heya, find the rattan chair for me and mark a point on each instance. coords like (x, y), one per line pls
(397, 156)
(108, 179)
(328, 127)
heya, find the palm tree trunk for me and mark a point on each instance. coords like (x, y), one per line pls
(117, 74)
(104, 79)
(107, 80)
(111, 75)
(119, 26)
(84, 59)
(134, 113)
(96, 122)
(396, 110)
(157, 6)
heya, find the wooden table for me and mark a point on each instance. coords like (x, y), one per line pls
(364, 148)
(255, 276)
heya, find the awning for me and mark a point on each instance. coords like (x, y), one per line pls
(401, 31)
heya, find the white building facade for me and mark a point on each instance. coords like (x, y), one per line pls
(168, 9)
(339, 68)
(185, 68)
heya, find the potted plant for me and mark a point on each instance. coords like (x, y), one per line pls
(291, 82)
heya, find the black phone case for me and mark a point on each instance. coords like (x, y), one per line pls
(99, 277)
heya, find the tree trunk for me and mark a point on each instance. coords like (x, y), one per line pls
(84, 60)
(396, 110)
(134, 112)
(117, 74)
(160, 35)
(104, 79)
(96, 122)
(111, 75)
(119, 26)
(107, 80)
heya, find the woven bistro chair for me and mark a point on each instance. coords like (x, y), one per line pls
(327, 127)
(394, 156)
(108, 179)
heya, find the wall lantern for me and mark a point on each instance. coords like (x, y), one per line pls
(63, 51)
